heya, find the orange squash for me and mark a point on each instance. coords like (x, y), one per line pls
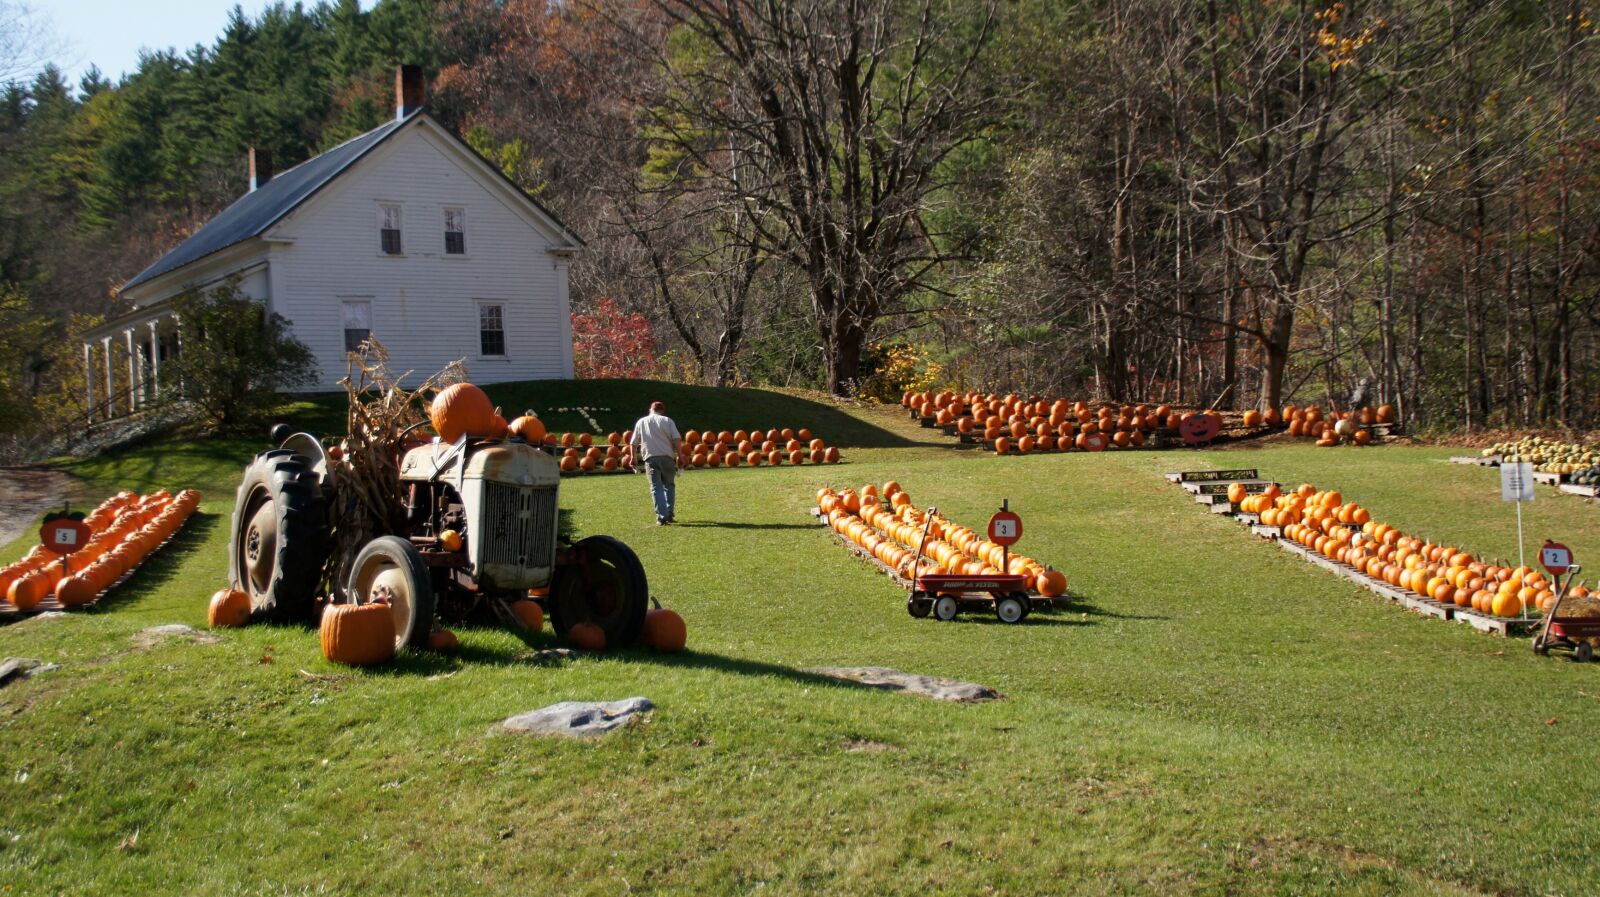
(76, 590)
(229, 607)
(443, 641)
(528, 428)
(587, 637)
(1051, 583)
(529, 614)
(28, 591)
(462, 409)
(358, 634)
(665, 630)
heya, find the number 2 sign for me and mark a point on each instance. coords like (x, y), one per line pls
(1556, 558)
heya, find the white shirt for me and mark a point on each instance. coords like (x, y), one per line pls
(655, 432)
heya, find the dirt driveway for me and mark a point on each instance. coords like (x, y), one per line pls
(25, 494)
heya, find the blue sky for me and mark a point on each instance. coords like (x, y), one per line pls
(109, 33)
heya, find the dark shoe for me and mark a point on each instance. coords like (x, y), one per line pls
(671, 519)
(662, 521)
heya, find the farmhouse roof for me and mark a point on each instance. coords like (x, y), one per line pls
(253, 213)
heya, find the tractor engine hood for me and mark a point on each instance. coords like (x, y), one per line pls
(510, 494)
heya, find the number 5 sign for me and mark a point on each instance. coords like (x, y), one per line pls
(64, 535)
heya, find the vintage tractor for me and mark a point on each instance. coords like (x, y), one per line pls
(481, 528)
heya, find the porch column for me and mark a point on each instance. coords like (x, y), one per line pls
(133, 371)
(177, 345)
(88, 380)
(111, 390)
(155, 360)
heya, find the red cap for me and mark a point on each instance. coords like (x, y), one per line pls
(657, 406)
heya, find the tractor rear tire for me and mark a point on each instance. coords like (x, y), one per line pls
(278, 539)
(608, 589)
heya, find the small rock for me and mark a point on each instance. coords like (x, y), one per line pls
(547, 655)
(578, 718)
(868, 746)
(936, 687)
(149, 638)
(14, 669)
(46, 615)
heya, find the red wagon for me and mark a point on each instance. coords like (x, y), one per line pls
(946, 594)
(1571, 633)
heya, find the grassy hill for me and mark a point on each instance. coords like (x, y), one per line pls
(1212, 716)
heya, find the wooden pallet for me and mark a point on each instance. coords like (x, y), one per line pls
(1267, 532)
(1406, 598)
(1507, 626)
(1476, 460)
(1549, 478)
(1574, 489)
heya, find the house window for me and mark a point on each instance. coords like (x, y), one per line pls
(491, 329)
(455, 231)
(389, 228)
(357, 323)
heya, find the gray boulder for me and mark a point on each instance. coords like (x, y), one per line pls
(578, 719)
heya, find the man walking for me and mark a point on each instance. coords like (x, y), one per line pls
(656, 440)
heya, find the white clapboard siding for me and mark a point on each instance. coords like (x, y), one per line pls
(424, 303)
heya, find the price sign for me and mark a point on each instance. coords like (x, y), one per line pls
(64, 535)
(1555, 557)
(1516, 481)
(1005, 528)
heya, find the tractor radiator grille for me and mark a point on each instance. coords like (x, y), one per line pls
(518, 526)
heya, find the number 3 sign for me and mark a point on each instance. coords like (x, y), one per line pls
(1005, 528)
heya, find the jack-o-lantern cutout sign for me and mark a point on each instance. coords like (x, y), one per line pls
(64, 532)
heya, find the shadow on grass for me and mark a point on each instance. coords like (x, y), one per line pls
(1085, 606)
(427, 663)
(730, 525)
(164, 564)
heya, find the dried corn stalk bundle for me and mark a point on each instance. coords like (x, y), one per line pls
(365, 480)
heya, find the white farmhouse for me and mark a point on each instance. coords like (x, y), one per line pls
(404, 232)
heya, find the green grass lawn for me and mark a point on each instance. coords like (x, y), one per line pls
(1214, 715)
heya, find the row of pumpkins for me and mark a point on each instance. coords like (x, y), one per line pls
(581, 453)
(364, 635)
(1032, 424)
(1548, 455)
(884, 523)
(1345, 532)
(123, 531)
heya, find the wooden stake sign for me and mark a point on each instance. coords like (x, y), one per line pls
(64, 532)
(1555, 557)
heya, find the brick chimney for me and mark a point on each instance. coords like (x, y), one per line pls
(408, 90)
(260, 167)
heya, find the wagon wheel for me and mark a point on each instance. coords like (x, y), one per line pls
(606, 586)
(392, 569)
(945, 607)
(1583, 653)
(918, 607)
(1011, 609)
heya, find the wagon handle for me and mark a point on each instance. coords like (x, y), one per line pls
(1561, 593)
(916, 565)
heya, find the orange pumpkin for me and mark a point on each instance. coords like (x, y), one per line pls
(443, 641)
(665, 630)
(528, 428)
(229, 607)
(28, 591)
(76, 590)
(462, 410)
(529, 614)
(587, 637)
(358, 634)
(1051, 583)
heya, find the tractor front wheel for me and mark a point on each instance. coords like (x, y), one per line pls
(604, 585)
(391, 569)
